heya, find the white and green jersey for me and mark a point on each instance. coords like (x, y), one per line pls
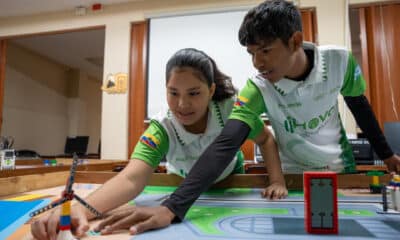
(166, 137)
(304, 114)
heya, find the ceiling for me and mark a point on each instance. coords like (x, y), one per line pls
(82, 50)
(13, 8)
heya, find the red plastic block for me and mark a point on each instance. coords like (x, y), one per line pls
(320, 202)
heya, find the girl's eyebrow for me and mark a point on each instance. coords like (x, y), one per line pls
(190, 89)
(193, 88)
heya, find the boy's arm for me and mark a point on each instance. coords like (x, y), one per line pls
(209, 166)
(352, 91)
(366, 120)
(269, 151)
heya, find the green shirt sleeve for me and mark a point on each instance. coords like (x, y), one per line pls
(248, 107)
(153, 144)
(354, 83)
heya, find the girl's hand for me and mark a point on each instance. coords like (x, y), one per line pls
(46, 227)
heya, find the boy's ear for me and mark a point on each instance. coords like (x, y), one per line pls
(296, 41)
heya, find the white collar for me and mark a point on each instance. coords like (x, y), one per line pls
(317, 74)
(214, 124)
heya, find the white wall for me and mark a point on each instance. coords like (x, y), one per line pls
(90, 124)
(43, 107)
(84, 108)
(117, 19)
(33, 110)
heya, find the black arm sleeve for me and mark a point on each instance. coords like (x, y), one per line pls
(208, 167)
(366, 120)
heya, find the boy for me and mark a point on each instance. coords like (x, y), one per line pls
(297, 87)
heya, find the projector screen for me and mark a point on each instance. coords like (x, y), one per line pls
(214, 33)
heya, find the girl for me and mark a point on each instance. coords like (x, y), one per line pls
(200, 99)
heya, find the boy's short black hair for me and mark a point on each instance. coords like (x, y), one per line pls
(269, 21)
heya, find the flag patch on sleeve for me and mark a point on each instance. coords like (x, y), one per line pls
(149, 140)
(241, 101)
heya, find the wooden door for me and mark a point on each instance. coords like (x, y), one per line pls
(380, 57)
(137, 85)
(2, 77)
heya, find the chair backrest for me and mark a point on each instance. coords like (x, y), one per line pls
(392, 134)
(26, 154)
(77, 144)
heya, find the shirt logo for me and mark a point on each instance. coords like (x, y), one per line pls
(149, 140)
(241, 101)
(291, 124)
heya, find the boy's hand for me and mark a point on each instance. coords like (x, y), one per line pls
(138, 219)
(393, 164)
(275, 191)
(115, 217)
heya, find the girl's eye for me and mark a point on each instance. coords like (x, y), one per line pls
(173, 93)
(194, 93)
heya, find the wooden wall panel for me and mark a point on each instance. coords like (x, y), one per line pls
(2, 77)
(309, 21)
(382, 57)
(248, 149)
(137, 83)
(374, 72)
(364, 52)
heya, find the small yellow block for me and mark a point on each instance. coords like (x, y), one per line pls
(66, 208)
(375, 180)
